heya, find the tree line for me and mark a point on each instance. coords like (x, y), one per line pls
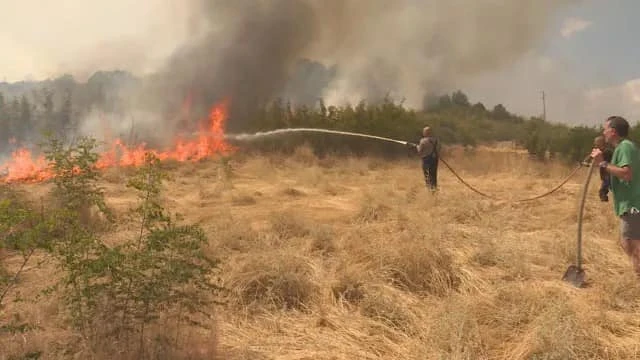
(58, 106)
(453, 118)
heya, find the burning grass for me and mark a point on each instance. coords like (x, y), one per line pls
(353, 259)
(26, 165)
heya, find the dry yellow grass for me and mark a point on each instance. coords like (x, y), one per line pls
(354, 259)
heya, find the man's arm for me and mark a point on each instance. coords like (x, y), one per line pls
(623, 173)
(622, 169)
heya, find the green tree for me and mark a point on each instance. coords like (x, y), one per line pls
(460, 99)
(499, 112)
(114, 293)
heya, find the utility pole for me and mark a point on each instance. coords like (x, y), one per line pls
(544, 107)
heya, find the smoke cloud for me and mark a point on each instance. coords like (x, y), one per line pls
(244, 51)
(252, 51)
(247, 50)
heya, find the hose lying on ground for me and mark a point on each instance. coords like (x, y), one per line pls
(556, 188)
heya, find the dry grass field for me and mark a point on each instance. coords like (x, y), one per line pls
(353, 259)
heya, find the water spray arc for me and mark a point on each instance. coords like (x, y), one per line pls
(261, 134)
(257, 135)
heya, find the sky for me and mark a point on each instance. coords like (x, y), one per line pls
(587, 65)
(45, 38)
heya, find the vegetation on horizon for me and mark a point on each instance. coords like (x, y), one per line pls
(60, 105)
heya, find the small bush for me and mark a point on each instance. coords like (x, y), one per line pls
(372, 210)
(23, 231)
(422, 270)
(386, 309)
(349, 289)
(487, 255)
(275, 282)
(323, 239)
(117, 295)
(287, 225)
(455, 332)
(305, 155)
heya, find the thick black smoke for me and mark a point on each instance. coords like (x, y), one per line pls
(247, 50)
(245, 54)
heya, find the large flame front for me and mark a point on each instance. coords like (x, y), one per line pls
(23, 167)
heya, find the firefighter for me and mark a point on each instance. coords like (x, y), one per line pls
(428, 148)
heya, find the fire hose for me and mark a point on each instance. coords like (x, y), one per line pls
(547, 193)
(554, 189)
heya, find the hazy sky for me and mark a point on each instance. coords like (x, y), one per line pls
(42, 38)
(589, 67)
(588, 64)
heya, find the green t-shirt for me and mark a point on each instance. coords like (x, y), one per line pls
(626, 194)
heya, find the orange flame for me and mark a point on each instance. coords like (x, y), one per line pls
(23, 167)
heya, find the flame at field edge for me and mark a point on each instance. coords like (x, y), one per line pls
(23, 167)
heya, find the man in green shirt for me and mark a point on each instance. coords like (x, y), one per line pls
(624, 170)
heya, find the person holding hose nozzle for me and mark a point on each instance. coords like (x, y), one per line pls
(429, 150)
(624, 171)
